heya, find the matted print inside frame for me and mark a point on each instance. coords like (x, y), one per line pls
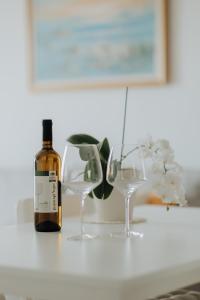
(86, 43)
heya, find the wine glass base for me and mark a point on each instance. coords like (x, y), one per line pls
(79, 237)
(123, 235)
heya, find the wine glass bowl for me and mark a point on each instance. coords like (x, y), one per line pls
(127, 180)
(81, 173)
(126, 172)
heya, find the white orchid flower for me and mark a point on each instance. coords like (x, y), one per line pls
(166, 175)
(147, 146)
(162, 151)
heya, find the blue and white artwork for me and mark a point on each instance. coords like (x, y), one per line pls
(96, 41)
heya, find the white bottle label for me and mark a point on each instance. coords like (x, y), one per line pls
(46, 192)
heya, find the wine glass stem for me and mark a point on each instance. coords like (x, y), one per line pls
(127, 222)
(83, 197)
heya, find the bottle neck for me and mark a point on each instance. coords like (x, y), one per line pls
(47, 135)
(47, 145)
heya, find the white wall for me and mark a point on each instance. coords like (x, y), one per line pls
(171, 111)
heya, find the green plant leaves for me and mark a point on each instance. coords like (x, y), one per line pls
(82, 139)
(104, 190)
(86, 153)
(104, 150)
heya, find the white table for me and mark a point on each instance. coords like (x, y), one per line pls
(48, 266)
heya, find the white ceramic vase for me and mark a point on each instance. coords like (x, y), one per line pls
(108, 210)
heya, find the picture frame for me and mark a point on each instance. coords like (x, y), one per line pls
(97, 44)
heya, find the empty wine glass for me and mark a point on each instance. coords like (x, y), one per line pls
(126, 172)
(81, 173)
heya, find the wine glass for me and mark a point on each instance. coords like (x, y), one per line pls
(81, 173)
(126, 172)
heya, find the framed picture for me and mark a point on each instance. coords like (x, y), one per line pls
(97, 43)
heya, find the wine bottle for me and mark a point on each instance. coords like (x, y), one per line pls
(47, 187)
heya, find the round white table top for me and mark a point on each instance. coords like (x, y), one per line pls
(47, 265)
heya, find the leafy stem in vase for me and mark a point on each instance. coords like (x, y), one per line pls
(104, 190)
(124, 127)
